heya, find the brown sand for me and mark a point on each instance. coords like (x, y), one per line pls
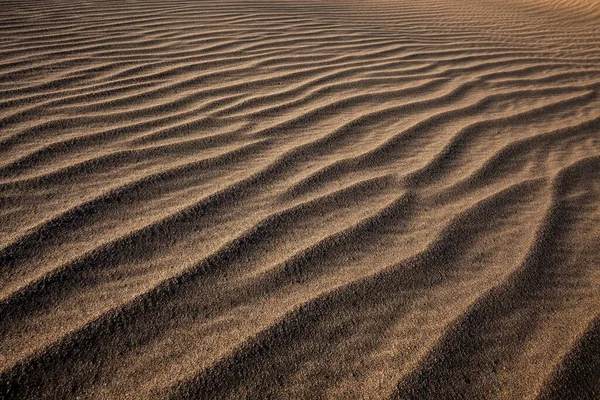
(300, 199)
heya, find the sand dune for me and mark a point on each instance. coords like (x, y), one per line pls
(300, 199)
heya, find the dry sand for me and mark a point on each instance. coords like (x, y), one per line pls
(300, 199)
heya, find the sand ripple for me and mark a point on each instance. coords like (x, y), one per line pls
(300, 199)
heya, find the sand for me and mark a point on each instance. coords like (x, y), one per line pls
(300, 199)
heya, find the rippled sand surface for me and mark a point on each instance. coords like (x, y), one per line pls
(300, 199)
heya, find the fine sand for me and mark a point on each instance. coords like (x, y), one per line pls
(300, 199)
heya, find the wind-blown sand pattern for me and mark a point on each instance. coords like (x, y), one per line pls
(300, 199)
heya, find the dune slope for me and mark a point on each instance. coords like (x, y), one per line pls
(300, 199)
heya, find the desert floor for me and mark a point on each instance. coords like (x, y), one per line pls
(300, 199)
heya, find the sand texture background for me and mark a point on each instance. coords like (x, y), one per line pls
(300, 199)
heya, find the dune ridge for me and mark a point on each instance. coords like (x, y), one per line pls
(300, 199)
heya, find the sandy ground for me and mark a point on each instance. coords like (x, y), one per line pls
(300, 199)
